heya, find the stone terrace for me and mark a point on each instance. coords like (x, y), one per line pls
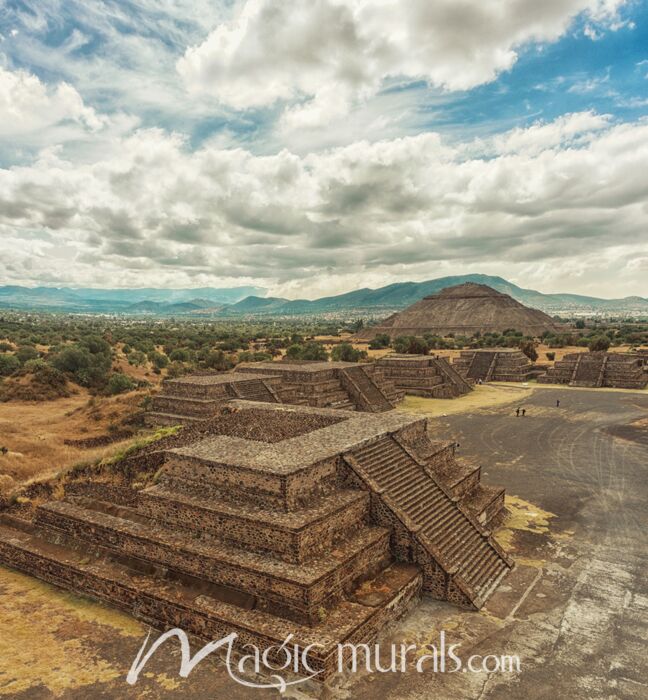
(501, 365)
(599, 369)
(423, 375)
(286, 520)
(198, 397)
(347, 385)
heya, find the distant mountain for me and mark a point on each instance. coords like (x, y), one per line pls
(250, 301)
(397, 296)
(127, 301)
(164, 308)
(256, 304)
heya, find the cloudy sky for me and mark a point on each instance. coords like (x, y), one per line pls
(317, 146)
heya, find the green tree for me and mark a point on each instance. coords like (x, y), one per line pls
(345, 352)
(158, 359)
(136, 358)
(528, 347)
(179, 355)
(599, 343)
(88, 368)
(8, 365)
(307, 351)
(119, 383)
(380, 341)
(411, 345)
(314, 351)
(26, 353)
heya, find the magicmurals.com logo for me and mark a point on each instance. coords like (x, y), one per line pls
(289, 664)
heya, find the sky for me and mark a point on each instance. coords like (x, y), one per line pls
(313, 147)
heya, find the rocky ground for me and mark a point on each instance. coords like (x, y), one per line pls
(575, 610)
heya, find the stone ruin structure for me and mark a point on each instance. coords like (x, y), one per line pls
(286, 520)
(423, 375)
(354, 386)
(198, 397)
(463, 310)
(500, 365)
(599, 369)
(345, 385)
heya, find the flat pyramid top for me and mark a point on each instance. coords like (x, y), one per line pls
(468, 290)
(305, 435)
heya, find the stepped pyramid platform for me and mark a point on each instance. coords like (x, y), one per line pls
(349, 386)
(324, 524)
(463, 310)
(423, 375)
(599, 369)
(498, 365)
(199, 397)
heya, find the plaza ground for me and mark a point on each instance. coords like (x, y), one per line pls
(575, 609)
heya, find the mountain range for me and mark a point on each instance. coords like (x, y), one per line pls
(252, 301)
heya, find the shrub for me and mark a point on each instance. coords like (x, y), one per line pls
(345, 352)
(218, 360)
(26, 353)
(47, 375)
(179, 355)
(176, 369)
(34, 366)
(136, 358)
(380, 341)
(247, 356)
(158, 360)
(551, 356)
(8, 365)
(314, 351)
(88, 362)
(528, 347)
(599, 343)
(6, 347)
(307, 351)
(119, 383)
(411, 345)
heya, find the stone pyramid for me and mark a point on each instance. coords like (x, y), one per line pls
(464, 310)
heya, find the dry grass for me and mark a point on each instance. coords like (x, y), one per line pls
(483, 396)
(34, 433)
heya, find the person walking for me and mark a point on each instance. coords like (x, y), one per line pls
(557, 403)
(517, 412)
(523, 412)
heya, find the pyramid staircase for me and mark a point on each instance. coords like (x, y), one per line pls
(473, 563)
(481, 366)
(423, 375)
(461, 386)
(501, 365)
(364, 390)
(214, 553)
(599, 369)
(255, 390)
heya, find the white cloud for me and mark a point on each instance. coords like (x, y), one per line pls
(327, 54)
(28, 105)
(566, 195)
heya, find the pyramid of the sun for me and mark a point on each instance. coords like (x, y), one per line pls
(464, 310)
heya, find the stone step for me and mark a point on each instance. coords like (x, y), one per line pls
(169, 419)
(298, 590)
(166, 603)
(295, 536)
(411, 490)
